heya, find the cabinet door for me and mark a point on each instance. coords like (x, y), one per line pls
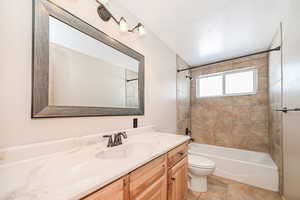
(114, 191)
(157, 191)
(177, 181)
(148, 176)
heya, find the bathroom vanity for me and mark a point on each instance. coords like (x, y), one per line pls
(162, 178)
(147, 165)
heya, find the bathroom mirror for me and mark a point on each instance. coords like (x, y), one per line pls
(80, 71)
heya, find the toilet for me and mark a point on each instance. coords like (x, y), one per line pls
(199, 168)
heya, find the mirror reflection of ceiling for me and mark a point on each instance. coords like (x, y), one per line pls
(73, 39)
(202, 31)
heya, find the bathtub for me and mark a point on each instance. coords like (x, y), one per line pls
(249, 167)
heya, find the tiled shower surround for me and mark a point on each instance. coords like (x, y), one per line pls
(233, 121)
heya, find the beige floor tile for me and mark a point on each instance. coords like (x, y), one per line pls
(193, 195)
(225, 189)
(217, 190)
(246, 192)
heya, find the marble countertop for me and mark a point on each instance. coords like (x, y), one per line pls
(81, 170)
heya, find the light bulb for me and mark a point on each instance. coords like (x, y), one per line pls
(141, 30)
(123, 25)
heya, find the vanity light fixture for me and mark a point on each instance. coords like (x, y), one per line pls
(140, 28)
(106, 15)
(123, 25)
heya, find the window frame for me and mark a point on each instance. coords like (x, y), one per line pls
(223, 74)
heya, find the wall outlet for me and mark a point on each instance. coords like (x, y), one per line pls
(135, 123)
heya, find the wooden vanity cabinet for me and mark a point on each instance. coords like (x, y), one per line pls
(164, 178)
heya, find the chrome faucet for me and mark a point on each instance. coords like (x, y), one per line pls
(117, 139)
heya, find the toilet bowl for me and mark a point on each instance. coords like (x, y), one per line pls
(199, 168)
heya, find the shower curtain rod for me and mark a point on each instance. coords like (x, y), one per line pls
(253, 54)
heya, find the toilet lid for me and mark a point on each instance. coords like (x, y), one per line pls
(200, 162)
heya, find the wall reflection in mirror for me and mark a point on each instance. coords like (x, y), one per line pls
(86, 72)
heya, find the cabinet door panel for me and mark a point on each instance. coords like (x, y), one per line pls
(177, 181)
(157, 191)
(146, 176)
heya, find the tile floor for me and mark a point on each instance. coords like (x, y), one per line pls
(224, 189)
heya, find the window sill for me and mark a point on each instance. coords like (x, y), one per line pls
(229, 95)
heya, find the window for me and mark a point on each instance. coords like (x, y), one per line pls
(210, 86)
(229, 83)
(239, 82)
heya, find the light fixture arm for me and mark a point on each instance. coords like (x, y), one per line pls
(117, 21)
(136, 27)
(106, 15)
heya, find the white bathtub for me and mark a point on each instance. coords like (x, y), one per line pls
(249, 167)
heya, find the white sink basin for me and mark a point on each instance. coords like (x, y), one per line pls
(126, 151)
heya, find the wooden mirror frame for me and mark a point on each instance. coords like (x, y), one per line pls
(42, 10)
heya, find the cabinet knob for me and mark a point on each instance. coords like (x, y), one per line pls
(173, 179)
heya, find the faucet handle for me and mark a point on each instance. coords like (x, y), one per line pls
(110, 140)
(123, 134)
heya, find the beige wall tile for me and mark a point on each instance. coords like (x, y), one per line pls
(237, 121)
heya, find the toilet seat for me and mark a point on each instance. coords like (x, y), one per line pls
(200, 162)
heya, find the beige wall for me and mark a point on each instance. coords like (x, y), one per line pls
(183, 97)
(16, 126)
(233, 121)
(291, 98)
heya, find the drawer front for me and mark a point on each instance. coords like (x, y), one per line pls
(146, 176)
(114, 191)
(177, 154)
